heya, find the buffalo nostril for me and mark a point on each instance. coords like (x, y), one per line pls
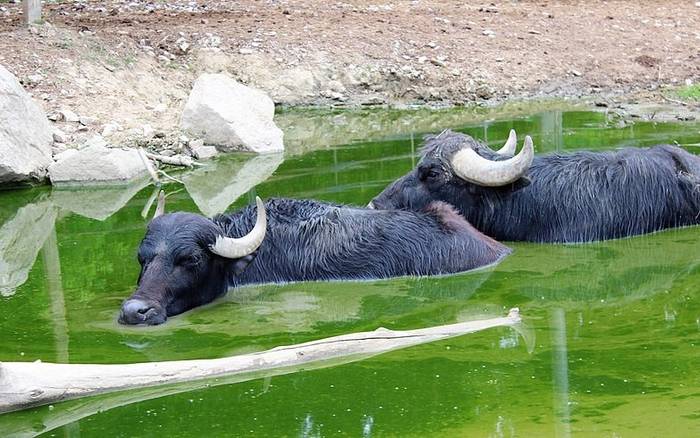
(144, 310)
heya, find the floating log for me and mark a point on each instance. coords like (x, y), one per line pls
(27, 384)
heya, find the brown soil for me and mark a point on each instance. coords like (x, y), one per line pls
(134, 62)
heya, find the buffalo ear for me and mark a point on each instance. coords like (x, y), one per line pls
(241, 264)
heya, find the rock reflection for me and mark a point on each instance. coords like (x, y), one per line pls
(216, 186)
(21, 238)
(96, 203)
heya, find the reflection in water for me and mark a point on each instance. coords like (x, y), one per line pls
(52, 271)
(21, 238)
(96, 203)
(618, 320)
(216, 186)
(560, 373)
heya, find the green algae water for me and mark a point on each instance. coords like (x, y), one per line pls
(616, 324)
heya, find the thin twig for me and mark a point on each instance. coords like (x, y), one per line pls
(149, 166)
(678, 102)
(177, 160)
(172, 178)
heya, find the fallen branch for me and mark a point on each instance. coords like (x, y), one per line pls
(27, 384)
(149, 167)
(676, 101)
(175, 160)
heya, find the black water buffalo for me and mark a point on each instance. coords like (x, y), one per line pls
(576, 197)
(188, 260)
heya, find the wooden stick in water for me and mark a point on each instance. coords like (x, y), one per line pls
(27, 384)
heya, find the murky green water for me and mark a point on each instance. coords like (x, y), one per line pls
(617, 324)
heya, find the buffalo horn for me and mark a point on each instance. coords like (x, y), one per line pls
(234, 248)
(472, 167)
(508, 149)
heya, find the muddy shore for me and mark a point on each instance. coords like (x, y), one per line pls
(130, 65)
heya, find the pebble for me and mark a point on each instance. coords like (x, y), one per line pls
(110, 128)
(148, 131)
(87, 121)
(59, 136)
(204, 152)
(68, 116)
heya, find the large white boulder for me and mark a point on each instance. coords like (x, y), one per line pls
(25, 133)
(231, 116)
(96, 164)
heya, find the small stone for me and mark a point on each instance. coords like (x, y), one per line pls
(204, 152)
(87, 121)
(198, 143)
(576, 73)
(57, 149)
(245, 51)
(534, 32)
(422, 59)
(489, 33)
(182, 46)
(110, 128)
(69, 116)
(34, 79)
(148, 131)
(59, 136)
(167, 152)
(96, 140)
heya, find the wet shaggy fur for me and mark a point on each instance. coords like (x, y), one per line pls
(305, 240)
(576, 197)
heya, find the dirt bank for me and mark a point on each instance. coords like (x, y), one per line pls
(133, 63)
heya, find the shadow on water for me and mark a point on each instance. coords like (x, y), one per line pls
(616, 322)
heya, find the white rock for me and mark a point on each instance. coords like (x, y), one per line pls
(69, 116)
(231, 116)
(95, 140)
(59, 136)
(203, 152)
(25, 133)
(87, 121)
(148, 131)
(110, 129)
(96, 164)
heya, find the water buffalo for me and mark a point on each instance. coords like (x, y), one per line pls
(188, 260)
(575, 197)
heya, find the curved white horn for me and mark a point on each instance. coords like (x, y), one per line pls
(472, 167)
(508, 149)
(234, 248)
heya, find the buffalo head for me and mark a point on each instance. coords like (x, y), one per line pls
(455, 168)
(186, 261)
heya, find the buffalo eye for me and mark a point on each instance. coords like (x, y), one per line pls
(186, 260)
(427, 173)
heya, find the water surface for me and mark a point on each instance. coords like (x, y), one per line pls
(617, 324)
